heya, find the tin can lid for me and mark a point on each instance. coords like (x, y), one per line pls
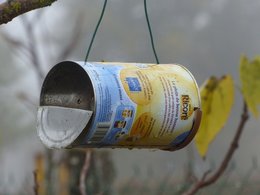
(59, 127)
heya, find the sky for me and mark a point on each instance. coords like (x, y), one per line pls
(208, 37)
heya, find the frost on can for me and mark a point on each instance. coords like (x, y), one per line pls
(118, 105)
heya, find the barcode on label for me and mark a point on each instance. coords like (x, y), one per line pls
(100, 132)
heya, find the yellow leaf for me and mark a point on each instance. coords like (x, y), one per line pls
(250, 78)
(217, 97)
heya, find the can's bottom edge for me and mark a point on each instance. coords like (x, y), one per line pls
(194, 129)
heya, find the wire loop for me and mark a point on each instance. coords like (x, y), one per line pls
(96, 29)
(100, 19)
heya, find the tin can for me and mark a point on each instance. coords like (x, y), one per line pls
(118, 105)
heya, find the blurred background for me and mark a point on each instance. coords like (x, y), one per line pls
(208, 37)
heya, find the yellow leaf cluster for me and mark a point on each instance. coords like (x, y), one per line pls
(217, 97)
(250, 79)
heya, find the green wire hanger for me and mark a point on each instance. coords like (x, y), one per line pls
(98, 24)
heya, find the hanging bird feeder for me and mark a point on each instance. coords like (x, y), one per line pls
(118, 105)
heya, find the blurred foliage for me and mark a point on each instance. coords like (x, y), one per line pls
(65, 173)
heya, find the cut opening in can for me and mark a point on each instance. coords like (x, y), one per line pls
(66, 105)
(68, 85)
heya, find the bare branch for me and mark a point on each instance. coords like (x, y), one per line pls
(204, 181)
(36, 185)
(30, 103)
(76, 35)
(16, 45)
(29, 48)
(13, 8)
(13, 41)
(28, 27)
(84, 172)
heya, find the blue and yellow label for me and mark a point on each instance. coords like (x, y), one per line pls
(141, 105)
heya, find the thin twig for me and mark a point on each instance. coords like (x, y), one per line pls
(16, 45)
(36, 185)
(14, 42)
(13, 8)
(204, 181)
(28, 27)
(28, 102)
(74, 40)
(84, 172)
